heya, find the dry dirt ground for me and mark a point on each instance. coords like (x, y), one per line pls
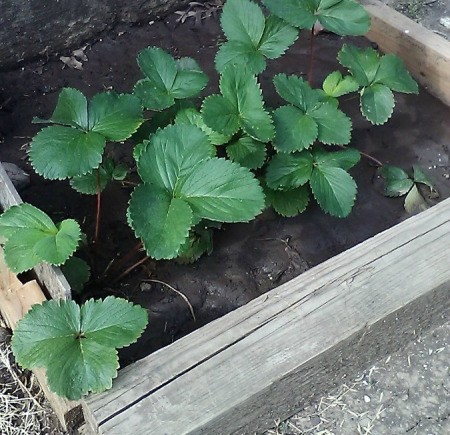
(405, 393)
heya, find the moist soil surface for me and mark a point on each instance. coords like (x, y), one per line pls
(248, 259)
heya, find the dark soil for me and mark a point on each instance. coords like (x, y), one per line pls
(248, 259)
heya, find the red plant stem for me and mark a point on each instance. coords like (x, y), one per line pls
(311, 57)
(99, 195)
(131, 268)
(126, 258)
(374, 160)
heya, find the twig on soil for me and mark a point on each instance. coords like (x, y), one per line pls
(191, 309)
(131, 268)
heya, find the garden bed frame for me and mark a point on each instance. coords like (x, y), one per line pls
(265, 360)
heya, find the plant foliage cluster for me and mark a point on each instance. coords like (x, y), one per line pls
(221, 160)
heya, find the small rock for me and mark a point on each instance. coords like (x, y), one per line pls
(366, 399)
(445, 21)
(20, 179)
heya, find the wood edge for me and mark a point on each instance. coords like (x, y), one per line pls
(15, 301)
(425, 54)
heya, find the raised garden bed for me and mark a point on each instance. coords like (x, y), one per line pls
(280, 340)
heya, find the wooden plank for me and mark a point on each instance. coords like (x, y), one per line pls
(50, 277)
(426, 55)
(15, 301)
(238, 373)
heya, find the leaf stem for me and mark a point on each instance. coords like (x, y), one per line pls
(373, 159)
(131, 268)
(311, 57)
(125, 259)
(97, 220)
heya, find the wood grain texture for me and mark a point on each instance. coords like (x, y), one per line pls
(426, 55)
(258, 363)
(50, 277)
(15, 301)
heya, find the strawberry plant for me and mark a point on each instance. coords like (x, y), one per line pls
(200, 164)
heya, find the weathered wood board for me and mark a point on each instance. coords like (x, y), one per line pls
(426, 55)
(50, 277)
(15, 301)
(230, 376)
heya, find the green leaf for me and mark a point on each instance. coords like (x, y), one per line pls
(363, 63)
(335, 85)
(344, 159)
(58, 152)
(171, 152)
(240, 106)
(77, 273)
(223, 191)
(243, 21)
(334, 189)
(32, 237)
(414, 201)
(166, 79)
(393, 73)
(421, 177)
(71, 109)
(114, 116)
(377, 103)
(193, 117)
(343, 17)
(238, 53)
(199, 242)
(247, 152)
(334, 127)
(278, 36)
(288, 203)
(294, 130)
(397, 181)
(162, 222)
(289, 171)
(296, 91)
(77, 346)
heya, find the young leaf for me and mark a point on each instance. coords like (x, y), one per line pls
(343, 17)
(166, 79)
(32, 237)
(77, 272)
(193, 117)
(77, 346)
(240, 106)
(251, 37)
(363, 63)
(161, 221)
(247, 152)
(377, 103)
(334, 189)
(289, 171)
(421, 177)
(397, 180)
(335, 85)
(288, 203)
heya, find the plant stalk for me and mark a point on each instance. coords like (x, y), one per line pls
(311, 56)
(125, 259)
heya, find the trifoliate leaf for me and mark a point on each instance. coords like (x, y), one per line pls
(344, 159)
(161, 221)
(393, 73)
(167, 80)
(77, 346)
(289, 171)
(32, 237)
(288, 203)
(343, 17)
(114, 116)
(247, 152)
(251, 37)
(363, 63)
(294, 130)
(71, 109)
(223, 191)
(171, 152)
(77, 273)
(414, 201)
(335, 85)
(58, 152)
(397, 181)
(334, 190)
(377, 103)
(193, 117)
(296, 91)
(240, 106)
(334, 127)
